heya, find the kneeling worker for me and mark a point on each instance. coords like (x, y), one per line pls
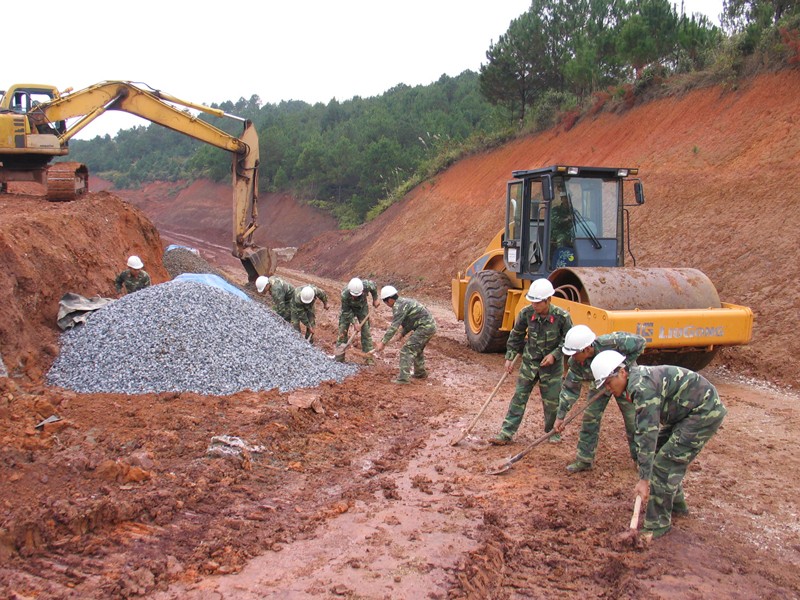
(134, 278)
(677, 412)
(581, 345)
(409, 316)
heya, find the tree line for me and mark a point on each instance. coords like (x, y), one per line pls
(559, 58)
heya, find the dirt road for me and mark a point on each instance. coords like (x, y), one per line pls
(369, 500)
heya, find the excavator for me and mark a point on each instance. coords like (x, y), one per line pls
(571, 225)
(37, 122)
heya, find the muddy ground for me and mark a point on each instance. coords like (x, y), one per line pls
(368, 499)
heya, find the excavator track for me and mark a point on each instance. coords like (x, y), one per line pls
(66, 181)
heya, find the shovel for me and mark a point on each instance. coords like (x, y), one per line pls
(485, 404)
(506, 466)
(631, 537)
(340, 350)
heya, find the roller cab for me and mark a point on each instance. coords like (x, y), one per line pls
(568, 224)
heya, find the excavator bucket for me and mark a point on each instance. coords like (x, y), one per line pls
(259, 261)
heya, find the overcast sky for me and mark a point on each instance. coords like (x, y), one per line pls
(311, 50)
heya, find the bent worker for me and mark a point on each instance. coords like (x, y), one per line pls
(538, 333)
(677, 412)
(355, 308)
(303, 312)
(410, 317)
(581, 345)
(282, 293)
(134, 278)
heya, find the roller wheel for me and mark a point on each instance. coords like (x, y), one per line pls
(484, 306)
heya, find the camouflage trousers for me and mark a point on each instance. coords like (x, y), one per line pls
(678, 446)
(549, 379)
(307, 317)
(412, 352)
(590, 427)
(346, 318)
(284, 310)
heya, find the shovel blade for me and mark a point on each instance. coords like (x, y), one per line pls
(504, 468)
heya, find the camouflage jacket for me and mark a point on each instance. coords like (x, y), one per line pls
(628, 344)
(665, 395)
(318, 294)
(545, 335)
(131, 283)
(357, 303)
(281, 291)
(409, 315)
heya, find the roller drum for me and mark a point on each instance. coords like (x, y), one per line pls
(613, 288)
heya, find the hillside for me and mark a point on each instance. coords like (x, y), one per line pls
(721, 169)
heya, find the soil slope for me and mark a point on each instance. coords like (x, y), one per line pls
(721, 170)
(201, 213)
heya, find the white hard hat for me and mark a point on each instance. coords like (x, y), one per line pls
(578, 338)
(541, 289)
(261, 283)
(388, 291)
(134, 262)
(356, 287)
(604, 364)
(307, 295)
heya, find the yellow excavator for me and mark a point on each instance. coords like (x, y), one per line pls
(571, 225)
(35, 128)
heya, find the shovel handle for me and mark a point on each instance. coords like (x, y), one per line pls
(540, 439)
(341, 350)
(637, 507)
(485, 404)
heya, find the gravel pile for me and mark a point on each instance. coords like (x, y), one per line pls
(183, 260)
(182, 336)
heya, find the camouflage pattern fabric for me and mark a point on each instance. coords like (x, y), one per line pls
(408, 315)
(304, 313)
(536, 337)
(677, 412)
(354, 309)
(282, 293)
(629, 345)
(131, 283)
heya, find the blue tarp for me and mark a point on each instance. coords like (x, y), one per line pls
(176, 246)
(214, 280)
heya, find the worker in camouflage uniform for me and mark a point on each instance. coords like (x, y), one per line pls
(303, 309)
(134, 278)
(411, 317)
(562, 232)
(282, 293)
(539, 334)
(581, 345)
(355, 308)
(677, 412)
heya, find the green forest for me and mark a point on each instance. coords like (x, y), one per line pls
(556, 63)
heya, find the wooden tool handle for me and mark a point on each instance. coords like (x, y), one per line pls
(637, 506)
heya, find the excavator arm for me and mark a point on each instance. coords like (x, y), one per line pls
(47, 120)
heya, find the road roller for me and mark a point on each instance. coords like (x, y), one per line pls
(570, 224)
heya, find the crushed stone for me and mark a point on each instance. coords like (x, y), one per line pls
(183, 336)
